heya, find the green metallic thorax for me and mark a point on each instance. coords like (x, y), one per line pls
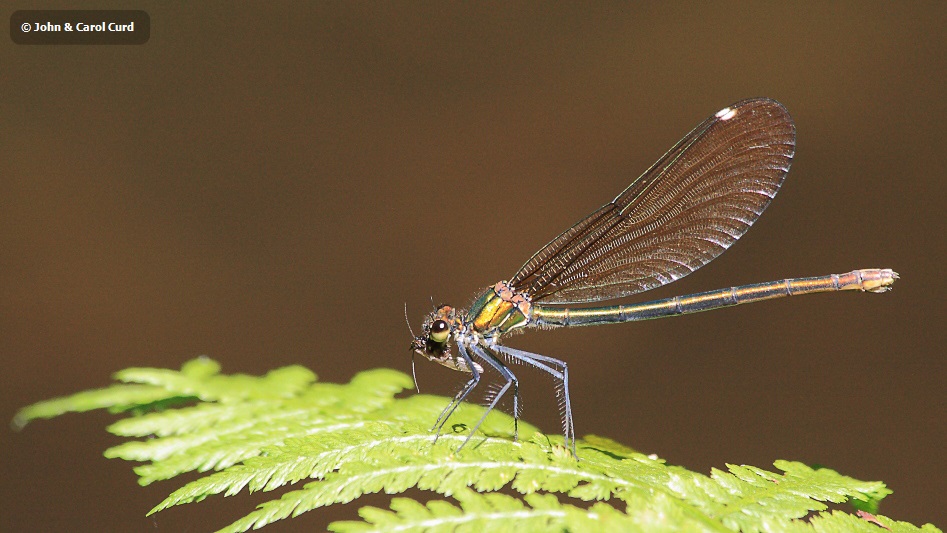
(499, 310)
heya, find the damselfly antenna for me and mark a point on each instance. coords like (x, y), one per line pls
(414, 375)
(406, 321)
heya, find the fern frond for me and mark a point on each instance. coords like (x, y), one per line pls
(387, 440)
(235, 432)
(543, 512)
(487, 512)
(116, 397)
(347, 440)
(745, 499)
(200, 378)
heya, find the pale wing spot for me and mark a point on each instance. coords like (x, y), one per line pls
(726, 113)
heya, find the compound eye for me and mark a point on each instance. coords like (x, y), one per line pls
(439, 331)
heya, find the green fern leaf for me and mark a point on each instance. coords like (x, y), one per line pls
(544, 512)
(346, 440)
(486, 512)
(116, 397)
(200, 379)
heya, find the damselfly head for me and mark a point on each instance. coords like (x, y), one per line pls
(435, 334)
(434, 341)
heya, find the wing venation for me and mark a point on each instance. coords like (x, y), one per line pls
(683, 212)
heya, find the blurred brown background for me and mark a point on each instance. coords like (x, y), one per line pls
(269, 186)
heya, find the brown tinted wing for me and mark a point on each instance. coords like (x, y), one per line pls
(684, 211)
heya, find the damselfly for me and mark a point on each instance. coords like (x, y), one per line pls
(683, 212)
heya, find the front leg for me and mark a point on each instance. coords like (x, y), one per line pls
(459, 397)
